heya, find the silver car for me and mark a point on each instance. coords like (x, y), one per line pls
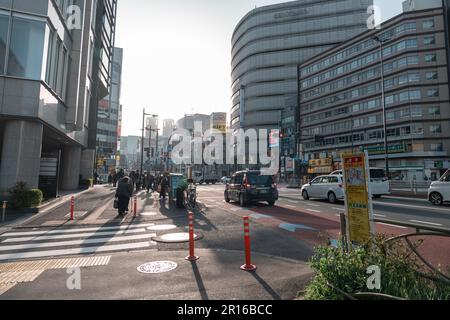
(329, 187)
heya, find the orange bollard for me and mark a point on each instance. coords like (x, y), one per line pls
(192, 257)
(248, 266)
(135, 206)
(72, 208)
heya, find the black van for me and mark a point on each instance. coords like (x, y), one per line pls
(251, 186)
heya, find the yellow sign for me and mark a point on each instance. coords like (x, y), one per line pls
(328, 162)
(357, 200)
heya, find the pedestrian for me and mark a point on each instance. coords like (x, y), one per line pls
(110, 179)
(123, 194)
(95, 177)
(150, 182)
(137, 180)
(164, 184)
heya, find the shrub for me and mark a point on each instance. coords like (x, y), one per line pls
(21, 197)
(401, 273)
(86, 183)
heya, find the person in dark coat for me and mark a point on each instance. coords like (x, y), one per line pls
(124, 192)
(150, 181)
(164, 185)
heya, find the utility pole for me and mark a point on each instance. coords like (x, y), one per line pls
(383, 103)
(142, 141)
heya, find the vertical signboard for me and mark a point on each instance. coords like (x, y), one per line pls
(359, 212)
(48, 175)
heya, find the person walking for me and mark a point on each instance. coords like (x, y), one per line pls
(164, 185)
(123, 193)
(150, 181)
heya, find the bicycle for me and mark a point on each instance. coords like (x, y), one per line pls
(190, 197)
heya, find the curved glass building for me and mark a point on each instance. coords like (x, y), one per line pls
(270, 42)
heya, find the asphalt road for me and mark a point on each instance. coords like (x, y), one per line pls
(410, 210)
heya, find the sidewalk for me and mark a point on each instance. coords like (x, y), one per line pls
(216, 276)
(56, 210)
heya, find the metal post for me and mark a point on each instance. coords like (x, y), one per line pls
(142, 141)
(4, 211)
(343, 231)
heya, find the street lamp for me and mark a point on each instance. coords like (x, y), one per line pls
(383, 101)
(143, 133)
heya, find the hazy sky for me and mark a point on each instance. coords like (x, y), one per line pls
(177, 55)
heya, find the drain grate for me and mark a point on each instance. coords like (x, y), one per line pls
(157, 267)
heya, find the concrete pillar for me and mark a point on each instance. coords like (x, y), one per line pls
(87, 164)
(70, 168)
(21, 153)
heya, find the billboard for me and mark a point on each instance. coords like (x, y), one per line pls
(358, 202)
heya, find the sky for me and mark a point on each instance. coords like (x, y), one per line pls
(177, 55)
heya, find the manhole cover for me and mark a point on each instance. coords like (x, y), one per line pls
(148, 214)
(162, 227)
(176, 237)
(157, 267)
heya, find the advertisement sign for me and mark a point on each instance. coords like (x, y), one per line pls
(359, 212)
(274, 138)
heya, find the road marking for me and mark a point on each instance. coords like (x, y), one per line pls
(338, 209)
(76, 235)
(257, 216)
(293, 227)
(391, 225)
(64, 231)
(410, 206)
(76, 251)
(76, 242)
(312, 205)
(290, 206)
(316, 211)
(292, 201)
(425, 222)
(379, 215)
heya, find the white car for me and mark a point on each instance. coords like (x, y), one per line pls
(439, 191)
(379, 183)
(324, 187)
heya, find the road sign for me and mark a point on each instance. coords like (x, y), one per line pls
(358, 203)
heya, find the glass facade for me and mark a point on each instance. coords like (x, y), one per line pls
(26, 48)
(4, 26)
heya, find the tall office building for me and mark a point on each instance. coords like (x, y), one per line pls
(54, 69)
(168, 127)
(341, 106)
(108, 119)
(270, 42)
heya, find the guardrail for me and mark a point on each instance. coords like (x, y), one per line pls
(413, 186)
(418, 227)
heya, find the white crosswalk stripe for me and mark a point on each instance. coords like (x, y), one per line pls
(76, 241)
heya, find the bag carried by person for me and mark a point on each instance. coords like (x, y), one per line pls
(116, 203)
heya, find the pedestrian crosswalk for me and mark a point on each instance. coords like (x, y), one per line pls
(20, 245)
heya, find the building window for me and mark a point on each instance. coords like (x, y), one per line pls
(434, 111)
(432, 75)
(437, 147)
(4, 26)
(433, 93)
(429, 40)
(26, 48)
(416, 112)
(435, 128)
(428, 24)
(430, 57)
